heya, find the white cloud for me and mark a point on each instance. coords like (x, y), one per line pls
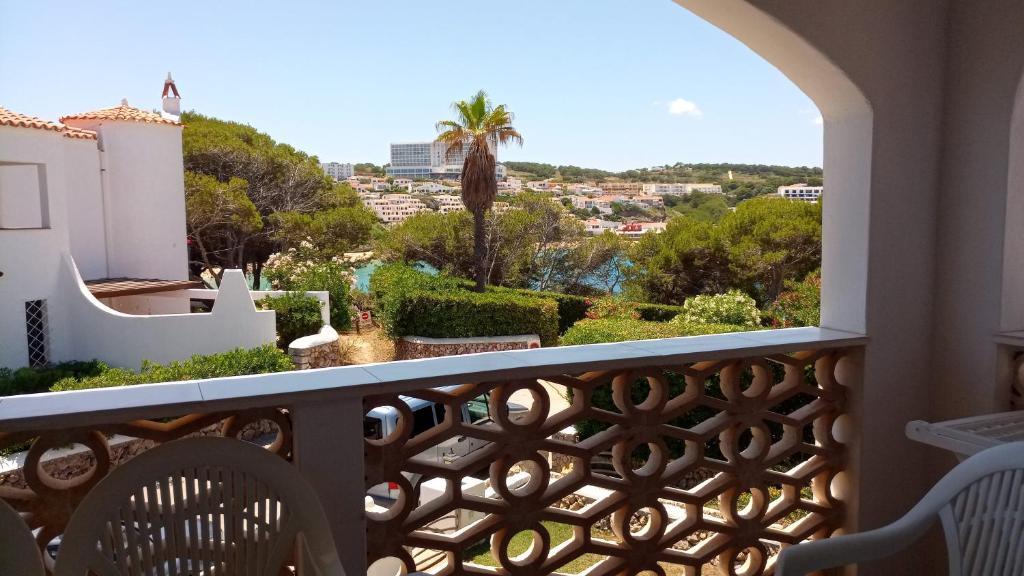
(683, 107)
(819, 120)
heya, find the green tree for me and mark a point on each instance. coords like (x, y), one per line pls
(478, 126)
(218, 217)
(756, 248)
(278, 179)
(342, 225)
(771, 240)
(689, 258)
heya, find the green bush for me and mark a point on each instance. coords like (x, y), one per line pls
(262, 360)
(463, 314)
(613, 307)
(33, 380)
(414, 303)
(733, 307)
(658, 312)
(799, 305)
(297, 315)
(571, 308)
(623, 329)
(331, 276)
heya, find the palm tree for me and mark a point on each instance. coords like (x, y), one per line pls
(479, 127)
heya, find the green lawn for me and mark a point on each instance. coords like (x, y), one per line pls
(481, 553)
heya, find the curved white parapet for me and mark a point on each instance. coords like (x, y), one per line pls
(99, 332)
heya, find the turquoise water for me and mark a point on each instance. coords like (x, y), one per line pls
(363, 273)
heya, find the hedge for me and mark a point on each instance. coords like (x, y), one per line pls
(571, 308)
(658, 312)
(32, 380)
(296, 315)
(238, 362)
(390, 281)
(414, 303)
(623, 329)
(462, 314)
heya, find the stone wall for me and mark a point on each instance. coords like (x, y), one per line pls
(317, 351)
(411, 347)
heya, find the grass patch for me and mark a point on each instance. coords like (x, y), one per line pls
(480, 553)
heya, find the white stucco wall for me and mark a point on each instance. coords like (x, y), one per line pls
(144, 198)
(127, 339)
(86, 232)
(30, 260)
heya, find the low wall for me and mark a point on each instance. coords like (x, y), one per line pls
(124, 340)
(317, 351)
(411, 347)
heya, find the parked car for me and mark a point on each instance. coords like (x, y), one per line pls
(383, 420)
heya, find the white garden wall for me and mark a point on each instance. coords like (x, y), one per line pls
(127, 339)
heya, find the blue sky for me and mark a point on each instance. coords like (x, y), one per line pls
(610, 84)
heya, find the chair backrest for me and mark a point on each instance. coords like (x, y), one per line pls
(199, 506)
(983, 518)
(18, 551)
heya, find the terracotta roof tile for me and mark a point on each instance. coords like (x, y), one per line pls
(70, 132)
(10, 118)
(122, 112)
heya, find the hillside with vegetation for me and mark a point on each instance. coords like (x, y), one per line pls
(746, 181)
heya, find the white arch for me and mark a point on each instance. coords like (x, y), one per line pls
(1012, 310)
(848, 140)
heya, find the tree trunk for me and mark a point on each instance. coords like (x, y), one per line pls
(257, 272)
(479, 250)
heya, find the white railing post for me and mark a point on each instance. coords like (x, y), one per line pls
(328, 450)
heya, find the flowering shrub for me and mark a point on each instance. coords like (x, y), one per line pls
(291, 271)
(734, 307)
(799, 305)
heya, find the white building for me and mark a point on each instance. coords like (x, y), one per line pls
(635, 230)
(680, 188)
(448, 203)
(93, 245)
(431, 160)
(432, 188)
(338, 171)
(596, 226)
(801, 192)
(393, 208)
(510, 184)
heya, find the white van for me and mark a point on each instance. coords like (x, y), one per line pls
(383, 420)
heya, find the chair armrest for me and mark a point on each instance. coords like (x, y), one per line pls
(809, 557)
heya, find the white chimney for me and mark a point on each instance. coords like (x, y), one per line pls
(172, 104)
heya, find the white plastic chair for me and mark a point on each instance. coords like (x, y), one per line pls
(18, 551)
(980, 503)
(199, 506)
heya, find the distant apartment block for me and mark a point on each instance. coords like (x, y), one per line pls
(680, 188)
(448, 203)
(801, 192)
(338, 171)
(393, 208)
(423, 160)
(622, 187)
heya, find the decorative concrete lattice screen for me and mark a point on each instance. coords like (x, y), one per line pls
(37, 331)
(760, 431)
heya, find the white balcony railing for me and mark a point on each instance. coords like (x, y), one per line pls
(695, 453)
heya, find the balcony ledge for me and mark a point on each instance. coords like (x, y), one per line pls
(91, 407)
